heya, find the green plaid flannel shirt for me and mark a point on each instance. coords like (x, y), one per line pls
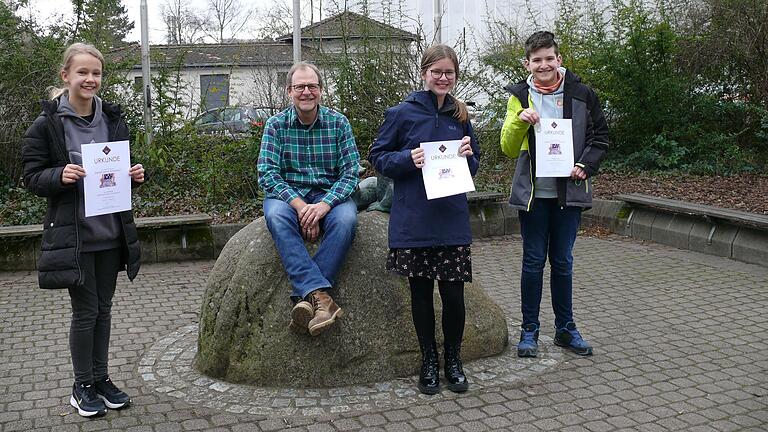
(295, 159)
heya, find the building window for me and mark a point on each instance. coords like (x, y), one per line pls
(214, 91)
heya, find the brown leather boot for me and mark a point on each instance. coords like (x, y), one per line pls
(326, 312)
(301, 314)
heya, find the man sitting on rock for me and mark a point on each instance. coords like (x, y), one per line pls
(308, 167)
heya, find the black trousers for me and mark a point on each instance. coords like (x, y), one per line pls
(423, 310)
(92, 314)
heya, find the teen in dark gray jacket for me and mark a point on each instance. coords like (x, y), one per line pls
(81, 254)
(550, 207)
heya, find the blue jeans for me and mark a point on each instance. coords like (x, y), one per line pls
(548, 230)
(309, 273)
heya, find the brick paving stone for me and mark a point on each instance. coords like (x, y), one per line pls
(474, 426)
(399, 427)
(97, 424)
(492, 398)
(247, 427)
(650, 428)
(347, 424)
(725, 426)
(397, 415)
(592, 414)
(140, 429)
(17, 425)
(621, 421)
(470, 402)
(423, 411)
(498, 422)
(7, 417)
(495, 409)
(710, 376)
(224, 419)
(424, 423)
(569, 419)
(167, 427)
(472, 414)
(448, 419)
(573, 429)
(446, 429)
(446, 406)
(195, 424)
(272, 424)
(322, 427)
(372, 420)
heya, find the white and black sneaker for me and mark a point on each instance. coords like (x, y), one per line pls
(87, 402)
(113, 397)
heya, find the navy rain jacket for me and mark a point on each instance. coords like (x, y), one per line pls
(415, 221)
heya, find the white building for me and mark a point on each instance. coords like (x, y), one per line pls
(250, 73)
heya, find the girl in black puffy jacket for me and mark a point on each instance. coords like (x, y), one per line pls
(81, 254)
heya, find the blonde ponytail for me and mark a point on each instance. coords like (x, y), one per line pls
(462, 112)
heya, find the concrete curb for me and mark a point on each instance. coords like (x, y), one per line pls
(742, 243)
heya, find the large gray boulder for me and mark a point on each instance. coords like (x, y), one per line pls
(244, 334)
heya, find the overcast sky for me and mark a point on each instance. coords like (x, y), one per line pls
(53, 10)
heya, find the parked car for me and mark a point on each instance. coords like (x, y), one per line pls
(234, 120)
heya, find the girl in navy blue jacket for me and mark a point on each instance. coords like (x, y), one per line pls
(430, 239)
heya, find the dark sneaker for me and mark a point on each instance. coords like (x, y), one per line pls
(87, 402)
(301, 314)
(529, 341)
(113, 397)
(570, 338)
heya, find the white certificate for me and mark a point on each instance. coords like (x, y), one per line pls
(107, 184)
(445, 172)
(554, 148)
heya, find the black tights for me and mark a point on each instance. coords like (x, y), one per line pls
(423, 311)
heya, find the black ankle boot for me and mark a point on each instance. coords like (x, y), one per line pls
(429, 378)
(454, 373)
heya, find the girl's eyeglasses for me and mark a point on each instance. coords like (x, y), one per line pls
(437, 74)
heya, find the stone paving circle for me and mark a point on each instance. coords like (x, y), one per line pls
(167, 368)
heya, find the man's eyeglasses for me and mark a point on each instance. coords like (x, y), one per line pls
(437, 74)
(300, 87)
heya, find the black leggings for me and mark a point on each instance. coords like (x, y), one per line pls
(92, 314)
(423, 311)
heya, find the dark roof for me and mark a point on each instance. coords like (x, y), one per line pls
(242, 54)
(352, 25)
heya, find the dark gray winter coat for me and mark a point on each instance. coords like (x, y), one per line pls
(45, 154)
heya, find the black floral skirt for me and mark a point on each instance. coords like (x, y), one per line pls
(448, 263)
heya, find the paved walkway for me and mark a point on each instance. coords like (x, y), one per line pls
(679, 337)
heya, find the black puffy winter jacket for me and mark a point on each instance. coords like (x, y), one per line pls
(45, 154)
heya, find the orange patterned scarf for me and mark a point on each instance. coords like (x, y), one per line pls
(550, 88)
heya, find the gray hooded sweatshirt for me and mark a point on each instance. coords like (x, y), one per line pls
(97, 232)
